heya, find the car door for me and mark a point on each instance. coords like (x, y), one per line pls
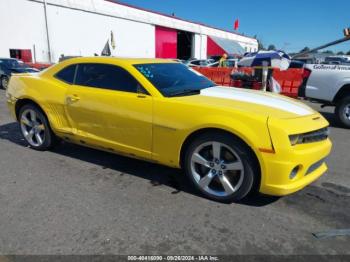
(108, 107)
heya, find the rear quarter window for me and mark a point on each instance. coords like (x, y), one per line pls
(67, 74)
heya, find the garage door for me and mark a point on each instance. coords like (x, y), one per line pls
(166, 42)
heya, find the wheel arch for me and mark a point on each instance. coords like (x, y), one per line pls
(191, 137)
(25, 101)
(342, 92)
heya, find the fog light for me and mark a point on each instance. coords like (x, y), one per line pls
(294, 172)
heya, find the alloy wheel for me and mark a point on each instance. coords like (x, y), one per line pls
(217, 169)
(33, 128)
(346, 112)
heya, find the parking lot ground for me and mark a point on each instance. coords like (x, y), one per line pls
(75, 200)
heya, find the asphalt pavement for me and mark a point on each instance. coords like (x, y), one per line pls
(75, 200)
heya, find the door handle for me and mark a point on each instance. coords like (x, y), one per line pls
(72, 99)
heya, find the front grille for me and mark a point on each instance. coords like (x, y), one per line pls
(315, 166)
(315, 136)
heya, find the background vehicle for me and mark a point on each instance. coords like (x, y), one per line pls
(164, 112)
(38, 66)
(180, 61)
(217, 57)
(199, 62)
(330, 85)
(337, 60)
(231, 62)
(9, 66)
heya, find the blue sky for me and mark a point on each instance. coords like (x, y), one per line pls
(288, 24)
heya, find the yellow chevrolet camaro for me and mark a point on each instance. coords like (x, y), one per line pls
(228, 141)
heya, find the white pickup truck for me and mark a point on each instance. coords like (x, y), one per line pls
(329, 85)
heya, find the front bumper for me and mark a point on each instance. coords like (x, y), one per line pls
(307, 160)
(310, 162)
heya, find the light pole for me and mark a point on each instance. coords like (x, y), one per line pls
(47, 32)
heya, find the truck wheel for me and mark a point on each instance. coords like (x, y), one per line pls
(342, 112)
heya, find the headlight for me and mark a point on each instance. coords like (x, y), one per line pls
(310, 137)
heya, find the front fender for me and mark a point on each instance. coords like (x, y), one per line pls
(253, 132)
(168, 141)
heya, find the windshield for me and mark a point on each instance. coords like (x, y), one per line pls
(174, 79)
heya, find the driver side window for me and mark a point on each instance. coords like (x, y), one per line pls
(106, 76)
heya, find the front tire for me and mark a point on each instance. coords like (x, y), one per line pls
(35, 128)
(342, 112)
(221, 167)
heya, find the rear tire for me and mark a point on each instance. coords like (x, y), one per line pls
(221, 167)
(342, 112)
(35, 128)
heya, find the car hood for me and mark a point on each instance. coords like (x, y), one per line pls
(251, 101)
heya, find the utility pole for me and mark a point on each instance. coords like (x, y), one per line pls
(47, 32)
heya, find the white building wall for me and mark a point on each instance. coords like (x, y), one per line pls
(82, 33)
(23, 26)
(119, 10)
(82, 27)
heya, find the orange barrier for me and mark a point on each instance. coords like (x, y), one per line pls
(221, 76)
(290, 80)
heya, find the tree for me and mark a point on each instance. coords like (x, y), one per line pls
(328, 52)
(348, 53)
(305, 49)
(271, 47)
(260, 45)
(340, 53)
